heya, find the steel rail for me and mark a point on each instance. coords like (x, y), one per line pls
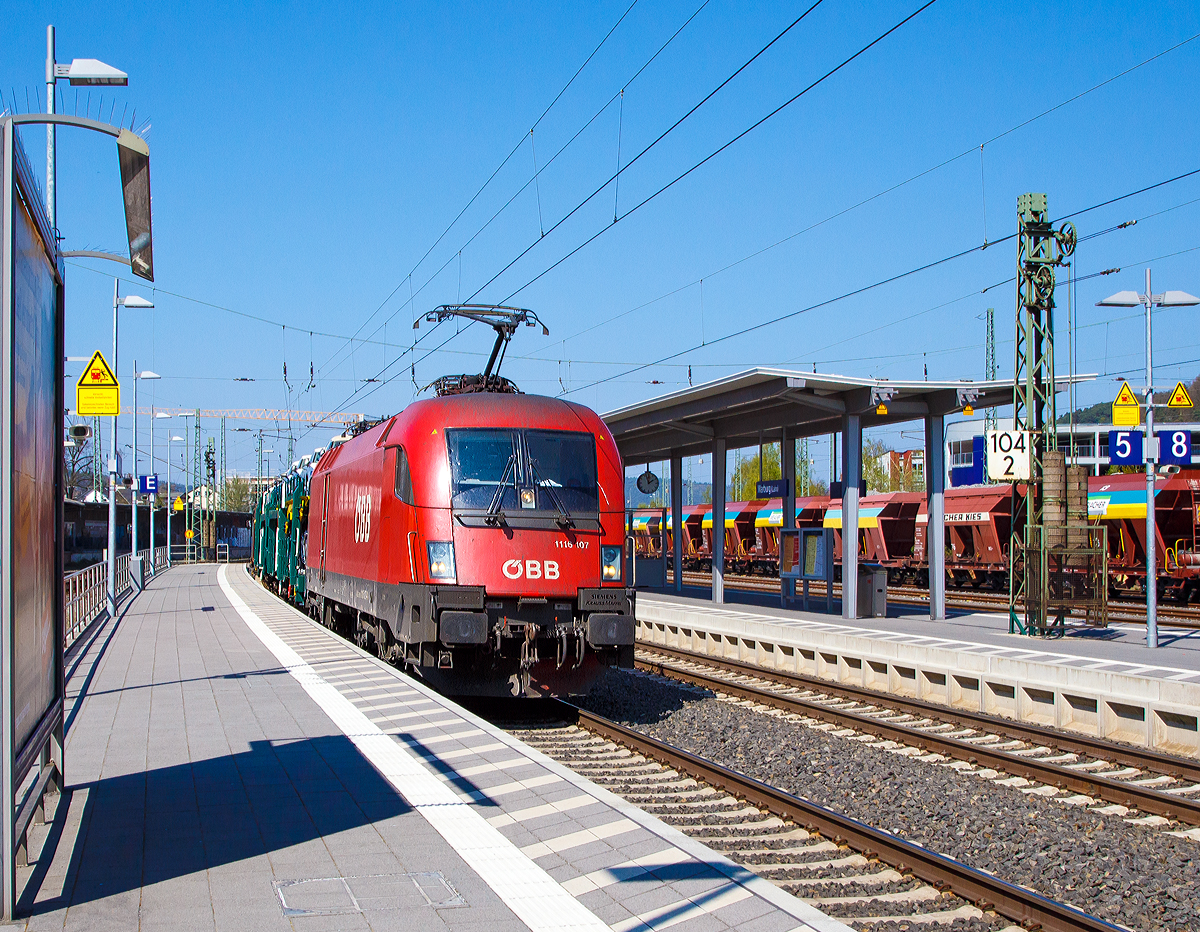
(1181, 768)
(987, 891)
(1122, 611)
(1125, 794)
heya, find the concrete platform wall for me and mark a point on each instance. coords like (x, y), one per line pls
(1146, 711)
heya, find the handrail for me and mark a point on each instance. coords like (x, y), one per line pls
(85, 592)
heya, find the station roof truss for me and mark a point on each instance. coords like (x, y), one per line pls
(765, 401)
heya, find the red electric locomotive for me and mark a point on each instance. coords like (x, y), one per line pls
(478, 538)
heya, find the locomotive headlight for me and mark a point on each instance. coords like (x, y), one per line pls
(610, 563)
(441, 559)
(528, 498)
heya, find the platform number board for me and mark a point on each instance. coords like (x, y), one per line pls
(1008, 455)
(1125, 447)
(1175, 447)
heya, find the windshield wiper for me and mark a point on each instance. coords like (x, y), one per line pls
(564, 517)
(494, 515)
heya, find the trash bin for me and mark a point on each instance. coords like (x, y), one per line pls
(872, 592)
(137, 573)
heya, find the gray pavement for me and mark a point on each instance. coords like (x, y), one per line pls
(231, 765)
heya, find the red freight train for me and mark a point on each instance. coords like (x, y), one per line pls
(477, 538)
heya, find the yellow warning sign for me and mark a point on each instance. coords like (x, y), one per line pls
(1126, 396)
(1125, 410)
(97, 391)
(178, 506)
(1180, 398)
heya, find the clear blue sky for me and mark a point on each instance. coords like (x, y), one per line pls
(304, 160)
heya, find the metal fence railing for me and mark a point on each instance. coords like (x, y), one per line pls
(85, 592)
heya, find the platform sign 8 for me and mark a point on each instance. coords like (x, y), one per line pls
(1008, 455)
(1175, 446)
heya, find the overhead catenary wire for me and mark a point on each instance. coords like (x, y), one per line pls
(483, 187)
(880, 283)
(674, 181)
(890, 189)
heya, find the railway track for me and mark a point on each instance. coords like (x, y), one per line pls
(1184, 616)
(1089, 770)
(847, 868)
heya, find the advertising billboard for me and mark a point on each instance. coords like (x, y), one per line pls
(31, 473)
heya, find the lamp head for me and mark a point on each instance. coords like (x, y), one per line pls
(133, 300)
(1178, 299)
(180, 439)
(1121, 299)
(90, 72)
(147, 374)
(161, 414)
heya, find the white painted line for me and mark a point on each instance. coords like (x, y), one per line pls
(439, 739)
(629, 870)
(545, 809)
(514, 786)
(468, 752)
(511, 763)
(580, 838)
(526, 889)
(674, 913)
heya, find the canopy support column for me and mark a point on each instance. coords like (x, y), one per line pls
(851, 476)
(935, 530)
(787, 470)
(718, 521)
(677, 519)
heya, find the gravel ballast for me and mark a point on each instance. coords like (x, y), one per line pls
(1138, 876)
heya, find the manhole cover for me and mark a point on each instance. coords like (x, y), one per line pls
(329, 896)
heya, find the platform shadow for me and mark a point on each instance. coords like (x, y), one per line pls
(144, 828)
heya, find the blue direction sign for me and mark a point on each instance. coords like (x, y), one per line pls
(770, 488)
(148, 485)
(1125, 447)
(1174, 446)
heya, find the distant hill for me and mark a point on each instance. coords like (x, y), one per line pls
(1101, 413)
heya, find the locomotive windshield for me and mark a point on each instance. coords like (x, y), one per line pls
(490, 468)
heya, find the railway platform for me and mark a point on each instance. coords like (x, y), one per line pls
(232, 765)
(1103, 682)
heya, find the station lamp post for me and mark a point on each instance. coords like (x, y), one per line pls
(137, 377)
(154, 495)
(1150, 300)
(113, 477)
(82, 72)
(170, 503)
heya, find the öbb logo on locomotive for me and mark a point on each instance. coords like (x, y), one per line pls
(531, 569)
(362, 519)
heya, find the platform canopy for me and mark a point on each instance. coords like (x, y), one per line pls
(738, 407)
(764, 404)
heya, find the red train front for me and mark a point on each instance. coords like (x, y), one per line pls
(478, 539)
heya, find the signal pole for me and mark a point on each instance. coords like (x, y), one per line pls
(1040, 249)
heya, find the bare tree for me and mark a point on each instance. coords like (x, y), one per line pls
(78, 458)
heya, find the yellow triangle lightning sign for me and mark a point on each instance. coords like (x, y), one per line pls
(1126, 396)
(1180, 397)
(97, 391)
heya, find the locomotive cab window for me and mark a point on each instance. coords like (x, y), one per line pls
(404, 490)
(508, 470)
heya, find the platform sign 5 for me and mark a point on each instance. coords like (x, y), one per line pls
(1175, 446)
(1008, 455)
(1125, 447)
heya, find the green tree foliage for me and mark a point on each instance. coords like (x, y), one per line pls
(237, 495)
(744, 477)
